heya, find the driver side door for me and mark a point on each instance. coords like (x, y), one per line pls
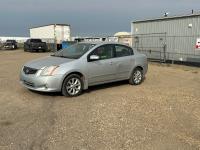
(102, 70)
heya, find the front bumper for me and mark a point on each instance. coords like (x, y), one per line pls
(41, 83)
(8, 47)
(38, 47)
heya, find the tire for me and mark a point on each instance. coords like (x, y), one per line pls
(26, 48)
(73, 90)
(136, 77)
(44, 50)
(30, 49)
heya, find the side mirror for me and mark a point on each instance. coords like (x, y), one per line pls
(94, 57)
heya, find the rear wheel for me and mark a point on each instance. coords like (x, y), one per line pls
(45, 49)
(72, 86)
(136, 77)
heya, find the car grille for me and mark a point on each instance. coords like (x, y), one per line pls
(29, 83)
(28, 70)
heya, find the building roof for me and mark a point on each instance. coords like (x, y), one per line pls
(50, 25)
(168, 18)
(122, 34)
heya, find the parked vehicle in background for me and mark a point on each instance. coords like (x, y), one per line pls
(56, 32)
(1, 45)
(35, 45)
(10, 44)
(81, 65)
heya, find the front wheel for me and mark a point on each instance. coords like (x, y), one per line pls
(72, 86)
(136, 77)
(25, 49)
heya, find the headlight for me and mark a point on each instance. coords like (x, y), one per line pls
(49, 71)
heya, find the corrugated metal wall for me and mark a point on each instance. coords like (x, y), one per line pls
(173, 27)
(178, 35)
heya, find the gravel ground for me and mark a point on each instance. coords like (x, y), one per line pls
(161, 114)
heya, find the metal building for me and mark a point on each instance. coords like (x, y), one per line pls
(168, 38)
(53, 33)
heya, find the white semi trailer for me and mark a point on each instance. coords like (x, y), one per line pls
(56, 33)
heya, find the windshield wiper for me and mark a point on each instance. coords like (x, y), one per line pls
(57, 55)
(61, 56)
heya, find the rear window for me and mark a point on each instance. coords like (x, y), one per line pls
(122, 51)
(11, 41)
(36, 40)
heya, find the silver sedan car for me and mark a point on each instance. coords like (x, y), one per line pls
(74, 69)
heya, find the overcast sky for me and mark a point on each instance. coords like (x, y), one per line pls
(87, 17)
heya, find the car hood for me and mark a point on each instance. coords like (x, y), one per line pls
(47, 61)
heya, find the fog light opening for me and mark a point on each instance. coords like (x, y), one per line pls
(45, 86)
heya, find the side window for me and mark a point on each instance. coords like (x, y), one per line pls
(122, 51)
(104, 52)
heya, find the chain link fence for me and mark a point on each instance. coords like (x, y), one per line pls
(163, 48)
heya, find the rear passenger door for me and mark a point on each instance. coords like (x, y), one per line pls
(124, 61)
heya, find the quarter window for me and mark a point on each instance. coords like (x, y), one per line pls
(122, 51)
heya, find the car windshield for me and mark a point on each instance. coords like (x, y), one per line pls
(75, 51)
(8, 43)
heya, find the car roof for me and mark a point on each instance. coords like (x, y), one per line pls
(103, 43)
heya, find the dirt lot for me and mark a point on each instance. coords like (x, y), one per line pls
(161, 114)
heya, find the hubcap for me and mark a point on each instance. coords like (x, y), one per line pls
(73, 86)
(137, 77)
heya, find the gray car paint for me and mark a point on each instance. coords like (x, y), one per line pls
(97, 72)
(47, 61)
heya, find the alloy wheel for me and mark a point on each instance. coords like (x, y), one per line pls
(137, 76)
(73, 86)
